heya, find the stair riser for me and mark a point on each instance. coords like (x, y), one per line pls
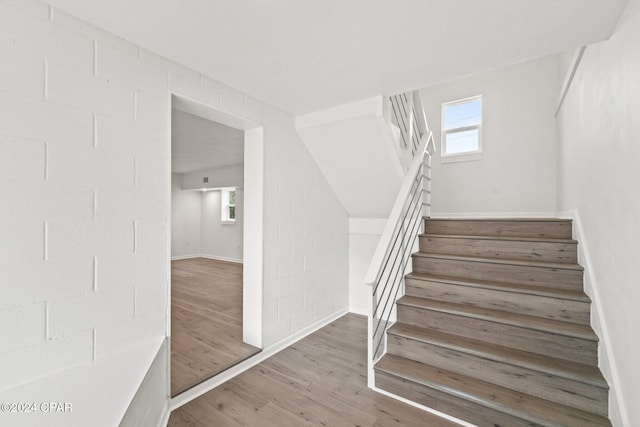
(503, 273)
(443, 402)
(533, 305)
(547, 386)
(548, 229)
(464, 409)
(540, 342)
(504, 249)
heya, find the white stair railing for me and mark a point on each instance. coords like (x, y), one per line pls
(407, 115)
(390, 260)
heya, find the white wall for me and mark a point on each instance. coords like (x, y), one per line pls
(519, 142)
(364, 235)
(85, 203)
(564, 64)
(148, 407)
(196, 226)
(599, 135)
(218, 240)
(232, 176)
(186, 219)
(338, 138)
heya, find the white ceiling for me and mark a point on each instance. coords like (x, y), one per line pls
(303, 56)
(198, 144)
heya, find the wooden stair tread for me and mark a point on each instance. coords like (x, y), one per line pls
(499, 219)
(567, 294)
(506, 238)
(521, 320)
(550, 265)
(520, 405)
(571, 370)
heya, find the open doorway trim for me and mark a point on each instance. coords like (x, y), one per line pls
(252, 236)
(253, 208)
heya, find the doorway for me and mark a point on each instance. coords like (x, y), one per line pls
(216, 242)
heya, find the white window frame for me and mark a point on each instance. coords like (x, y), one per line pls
(467, 155)
(225, 204)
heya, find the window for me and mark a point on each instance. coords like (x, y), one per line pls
(228, 205)
(462, 130)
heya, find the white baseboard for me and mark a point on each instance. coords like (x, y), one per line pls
(222, 258)
(179, 257)
(210, 384)
(482, 215)
(219, 258)
(164, 420)
(606, 360)
(359, 310)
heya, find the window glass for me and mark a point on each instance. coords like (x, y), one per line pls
(463, 114)
(228, 205)
(462, 142)
(462, 129)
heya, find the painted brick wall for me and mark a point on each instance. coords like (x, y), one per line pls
(84, 198)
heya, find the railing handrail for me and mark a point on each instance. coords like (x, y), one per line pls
(391, 258)
(408, 115)
(421, 116)
(384, 245)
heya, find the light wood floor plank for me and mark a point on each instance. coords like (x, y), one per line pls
(206, 321)
(319, 381)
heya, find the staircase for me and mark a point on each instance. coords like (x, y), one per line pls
(493, 327)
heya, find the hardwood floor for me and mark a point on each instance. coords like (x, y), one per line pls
(206, 320)
(320, 380)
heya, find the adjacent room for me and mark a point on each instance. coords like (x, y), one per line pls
(206, 248)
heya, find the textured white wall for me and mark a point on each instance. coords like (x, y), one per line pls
(222, 241)
(306, 248)
(186, 219)
(85, 204)
(599, 134)
(519, 141)
(85, 207)
(85, 161)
